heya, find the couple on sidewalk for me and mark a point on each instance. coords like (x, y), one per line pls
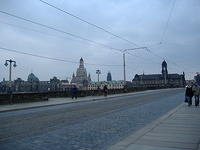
(192, 89)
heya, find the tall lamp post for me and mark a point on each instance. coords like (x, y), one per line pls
(98, 72)
(10, 67)
(10, 74)
(124, 61)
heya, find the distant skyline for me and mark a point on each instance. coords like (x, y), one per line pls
(140, 21)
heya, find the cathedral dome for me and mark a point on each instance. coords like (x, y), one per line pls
(81, 74)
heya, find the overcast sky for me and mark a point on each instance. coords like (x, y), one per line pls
(140, 21)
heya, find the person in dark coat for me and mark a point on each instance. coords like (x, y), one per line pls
(189, 94)
(74, 92)
(196, 91)
(105, 90)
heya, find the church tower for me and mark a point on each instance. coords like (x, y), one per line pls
(164, 71)
(81, 74)
(81, 63)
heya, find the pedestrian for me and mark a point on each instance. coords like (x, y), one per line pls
(196, 91)
(98, 91)
(74, 92)
(105, 90)
(188, 94)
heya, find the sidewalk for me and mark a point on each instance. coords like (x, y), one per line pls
(177, 130)
(60, 101)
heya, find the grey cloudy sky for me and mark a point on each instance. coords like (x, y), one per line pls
(140, 21)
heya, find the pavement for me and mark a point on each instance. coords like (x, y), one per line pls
(64, 100)
(179, 129)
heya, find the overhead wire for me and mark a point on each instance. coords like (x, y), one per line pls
(41, 32)
(168, 20)
(73, 35)
(61, 31)
(141, 57)
(52, 58)
(87, 22)
(164, 33)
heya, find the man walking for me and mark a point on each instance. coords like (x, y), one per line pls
(189, 94)
(74, 92)
(105, 90)
(196, 91)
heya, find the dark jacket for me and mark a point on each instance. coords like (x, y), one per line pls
(189, 92)
(74, 90)
(105, 89)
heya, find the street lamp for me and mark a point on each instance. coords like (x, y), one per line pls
(10, 69)
(124, 62)
(98, 72)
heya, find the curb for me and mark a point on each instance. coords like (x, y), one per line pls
(122, 145)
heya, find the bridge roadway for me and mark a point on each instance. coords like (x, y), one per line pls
(94, 125)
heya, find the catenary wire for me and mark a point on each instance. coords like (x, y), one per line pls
(85, 21)
(41, 32)
(73, 35)
(61, 31)
(52, 58)
(167, 23)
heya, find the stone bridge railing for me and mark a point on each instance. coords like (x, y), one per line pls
(43, 96)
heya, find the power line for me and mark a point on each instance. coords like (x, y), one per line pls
(52, 58)
(85, 21)
(167, 23)
(73, 35)
(142, 58)
(61, 31)
(25, 28)
(44, 33)
(156, 55)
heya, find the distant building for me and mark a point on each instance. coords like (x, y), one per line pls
(109, 77)
(33, 84)
(197, 79)
(110, 85)
(32, 78)
(159, 80)
(81, 79)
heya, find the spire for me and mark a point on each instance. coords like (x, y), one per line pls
(73, 78)
(164, 64)
(164, 68)
(81, 63)
(89, 78)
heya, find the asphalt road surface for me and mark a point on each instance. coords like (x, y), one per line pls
(94, 125)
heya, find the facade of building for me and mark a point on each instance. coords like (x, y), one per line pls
(159, 80)
(110, 85)
(109, 76)
(81, 79)
(33, 84)
(197, 79)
